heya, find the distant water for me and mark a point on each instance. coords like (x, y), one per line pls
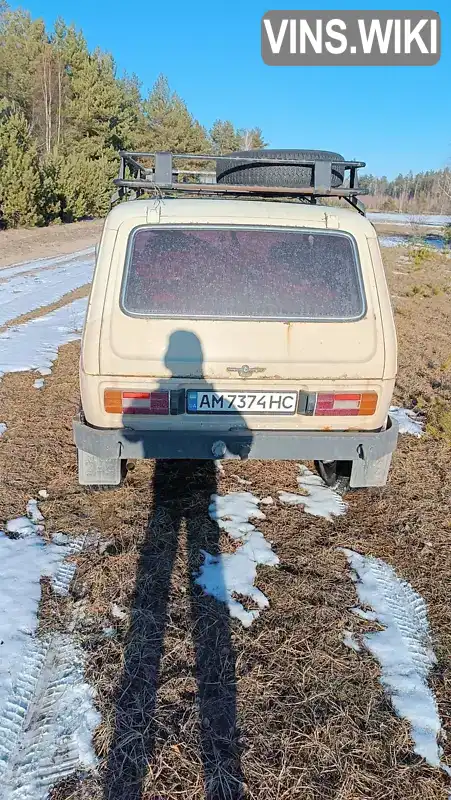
(402, 240)
(406, 219)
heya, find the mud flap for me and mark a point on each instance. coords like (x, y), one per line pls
(94, 471)
(370, 473)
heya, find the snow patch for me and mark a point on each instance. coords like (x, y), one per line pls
(34, 344)
(58, 706)
(39, 383)
(350, 641)
(40, 264)
(408, 421)
(20, 527)
(403, 649)
(3, 428)
(25, 293)
(33, 511)
(47, 716)
(403, 219)
(117, 612)
(370, 616)
(64, 575)
(318, 499)
(394, 241)
(228, 574)
(233, 511)
(23, 561)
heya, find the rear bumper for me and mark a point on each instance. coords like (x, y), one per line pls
(107, 443)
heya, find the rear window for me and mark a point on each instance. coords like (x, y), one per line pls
(242, 273)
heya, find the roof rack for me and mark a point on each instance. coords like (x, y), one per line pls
(158, 175)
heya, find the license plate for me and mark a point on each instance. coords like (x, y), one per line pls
(240, 402)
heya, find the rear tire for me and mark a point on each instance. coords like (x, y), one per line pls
(327, 470)
(335, 473)
(245, 173)
(99, 473)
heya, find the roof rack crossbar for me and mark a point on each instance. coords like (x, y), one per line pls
(137, 177)
(251, 159)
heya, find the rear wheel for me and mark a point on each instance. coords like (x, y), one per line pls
(327, 470)
(334, 473)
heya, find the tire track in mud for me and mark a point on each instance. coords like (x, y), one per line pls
(64, 279)
(65, 300)
(47, 746)
(66, 571)
(50, 710)
(37, 265)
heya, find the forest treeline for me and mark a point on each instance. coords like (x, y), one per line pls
(65, 114)
(424, 193)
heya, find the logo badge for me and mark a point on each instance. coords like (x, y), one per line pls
(245, 371)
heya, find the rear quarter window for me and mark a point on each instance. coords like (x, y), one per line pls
(242, 273)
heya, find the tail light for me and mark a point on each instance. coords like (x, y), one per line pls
(338, 404)
(118, 402)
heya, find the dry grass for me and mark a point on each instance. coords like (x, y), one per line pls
(193, 705)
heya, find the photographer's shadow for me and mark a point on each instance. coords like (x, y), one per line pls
(181, 492)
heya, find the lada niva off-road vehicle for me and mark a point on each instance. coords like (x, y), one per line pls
(233, 315)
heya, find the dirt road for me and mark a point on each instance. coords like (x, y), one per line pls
(25, 244)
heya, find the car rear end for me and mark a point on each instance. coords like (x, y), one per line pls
(222, 328)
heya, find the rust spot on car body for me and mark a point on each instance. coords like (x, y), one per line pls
(289, 330)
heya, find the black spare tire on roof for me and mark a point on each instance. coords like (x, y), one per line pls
(241, 173)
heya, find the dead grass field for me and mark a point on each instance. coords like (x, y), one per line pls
(193, 705)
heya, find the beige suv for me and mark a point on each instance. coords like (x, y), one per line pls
(238, 318)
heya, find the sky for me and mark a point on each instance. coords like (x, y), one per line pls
(395, 118)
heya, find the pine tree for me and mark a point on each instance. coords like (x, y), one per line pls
(85, 186)
(224, 137)
(21, 43)
(101, 117)
(133, 123)
(169, 123)
(20, 177)
(94, 112)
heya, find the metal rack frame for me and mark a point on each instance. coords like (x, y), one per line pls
(135, 178)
